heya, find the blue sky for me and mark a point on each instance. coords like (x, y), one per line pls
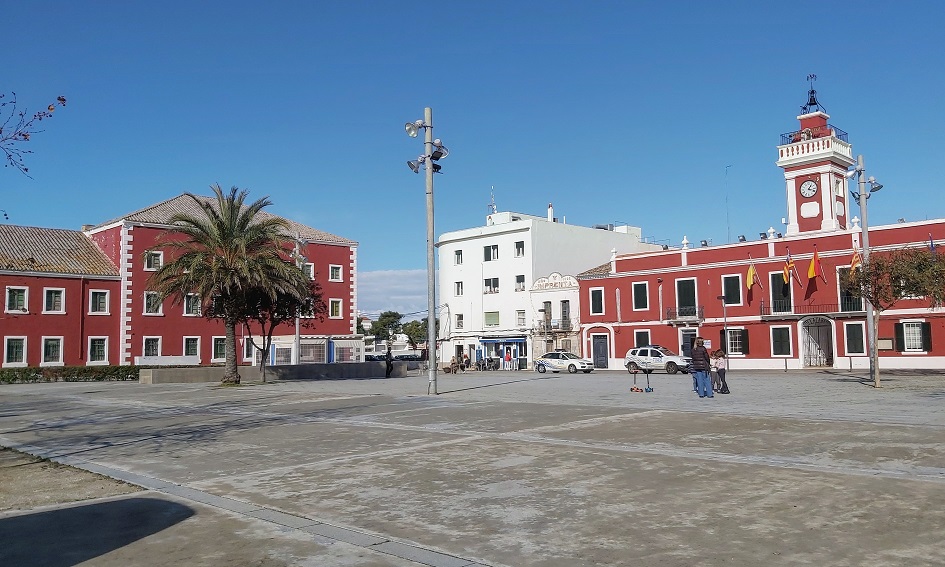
(616, 112)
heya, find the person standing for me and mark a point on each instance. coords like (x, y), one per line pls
(721, 363)
(465, 362)
(389, 362)
(508, 358)
(714, 371)
(700, 368)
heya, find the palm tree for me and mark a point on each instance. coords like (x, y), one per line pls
(227, 249)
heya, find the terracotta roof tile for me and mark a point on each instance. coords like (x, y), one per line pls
(51, 250)
(601, 270)
(185, 203)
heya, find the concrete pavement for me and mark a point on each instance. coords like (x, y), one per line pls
(501, 469)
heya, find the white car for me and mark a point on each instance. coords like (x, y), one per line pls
(655, 357)
(558, 361)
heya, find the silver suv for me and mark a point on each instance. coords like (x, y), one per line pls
(655, 357)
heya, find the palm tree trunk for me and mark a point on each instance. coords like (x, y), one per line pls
(231, 374)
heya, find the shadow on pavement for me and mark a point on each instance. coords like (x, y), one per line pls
(69, 536)
(490, 385)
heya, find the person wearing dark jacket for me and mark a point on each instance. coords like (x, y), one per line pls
(700, 368)
(389, 360)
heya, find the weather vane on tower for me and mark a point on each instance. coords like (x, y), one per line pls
(812, 103)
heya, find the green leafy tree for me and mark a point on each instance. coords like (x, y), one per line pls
(889, 277)
(267, 313)
(416, 332)
(387, 325)
(223, 253)
(17, 127)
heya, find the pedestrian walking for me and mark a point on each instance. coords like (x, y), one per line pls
(388, 363)
(700, 369)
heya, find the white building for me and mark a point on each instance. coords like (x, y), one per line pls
(507, 287)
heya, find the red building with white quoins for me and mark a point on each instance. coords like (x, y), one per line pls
(735, 295)
(82, 298)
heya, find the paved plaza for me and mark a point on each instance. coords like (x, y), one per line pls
(501, 469)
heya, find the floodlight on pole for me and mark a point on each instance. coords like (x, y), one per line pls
(433, 151)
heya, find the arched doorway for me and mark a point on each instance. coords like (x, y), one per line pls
(817, 337)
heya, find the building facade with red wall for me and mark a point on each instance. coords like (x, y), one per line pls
(735, 295)
(109, 267)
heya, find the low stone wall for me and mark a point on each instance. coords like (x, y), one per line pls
(345, 371)
(180, 375)
(341, 371)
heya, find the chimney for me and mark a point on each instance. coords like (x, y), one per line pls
(551, 213)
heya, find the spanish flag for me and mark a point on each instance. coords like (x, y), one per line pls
(816, 268)
(752, 277)
(856, 261)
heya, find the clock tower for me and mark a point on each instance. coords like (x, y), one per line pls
(815, 158)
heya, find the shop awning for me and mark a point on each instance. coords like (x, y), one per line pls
(503, 340)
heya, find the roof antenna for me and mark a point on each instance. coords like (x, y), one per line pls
(812, 103)
(492, 206)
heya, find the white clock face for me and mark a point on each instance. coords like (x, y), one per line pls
(808, 189)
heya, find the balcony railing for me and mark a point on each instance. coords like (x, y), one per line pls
(779, 307)
(553, 325)
(812, 133)
(685, 313)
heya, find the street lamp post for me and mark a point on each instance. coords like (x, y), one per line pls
(433, 151)
(862, 196)
(724, 345)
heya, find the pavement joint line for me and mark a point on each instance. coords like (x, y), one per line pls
(323, 530)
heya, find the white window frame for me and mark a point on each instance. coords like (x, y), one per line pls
(160, 306)
(457, 289)
(183, 346)
(728, 341)
(88, 351)
(590, 301)
(741, 291)
(459, 321)
(908, 323)
(62, 300)
(144, 345)
(26, 299)
(846, 337)
(187, 312)
(308, 269)
(331, 307)
(331, 273)
(493, 252)
(646, 294)
(520, 249)
(213, 349)
(488, 287)
(149, 257)
(6, 347)
(790, 285)
(42, 352)
(457, 257)
(771, 329)
(252, 349)
(497, 317)
(520, 318)
(520, 286)
(107, 297)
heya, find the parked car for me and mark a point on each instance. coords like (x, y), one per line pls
(655, 357)
(558, 361)
(413, 357)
